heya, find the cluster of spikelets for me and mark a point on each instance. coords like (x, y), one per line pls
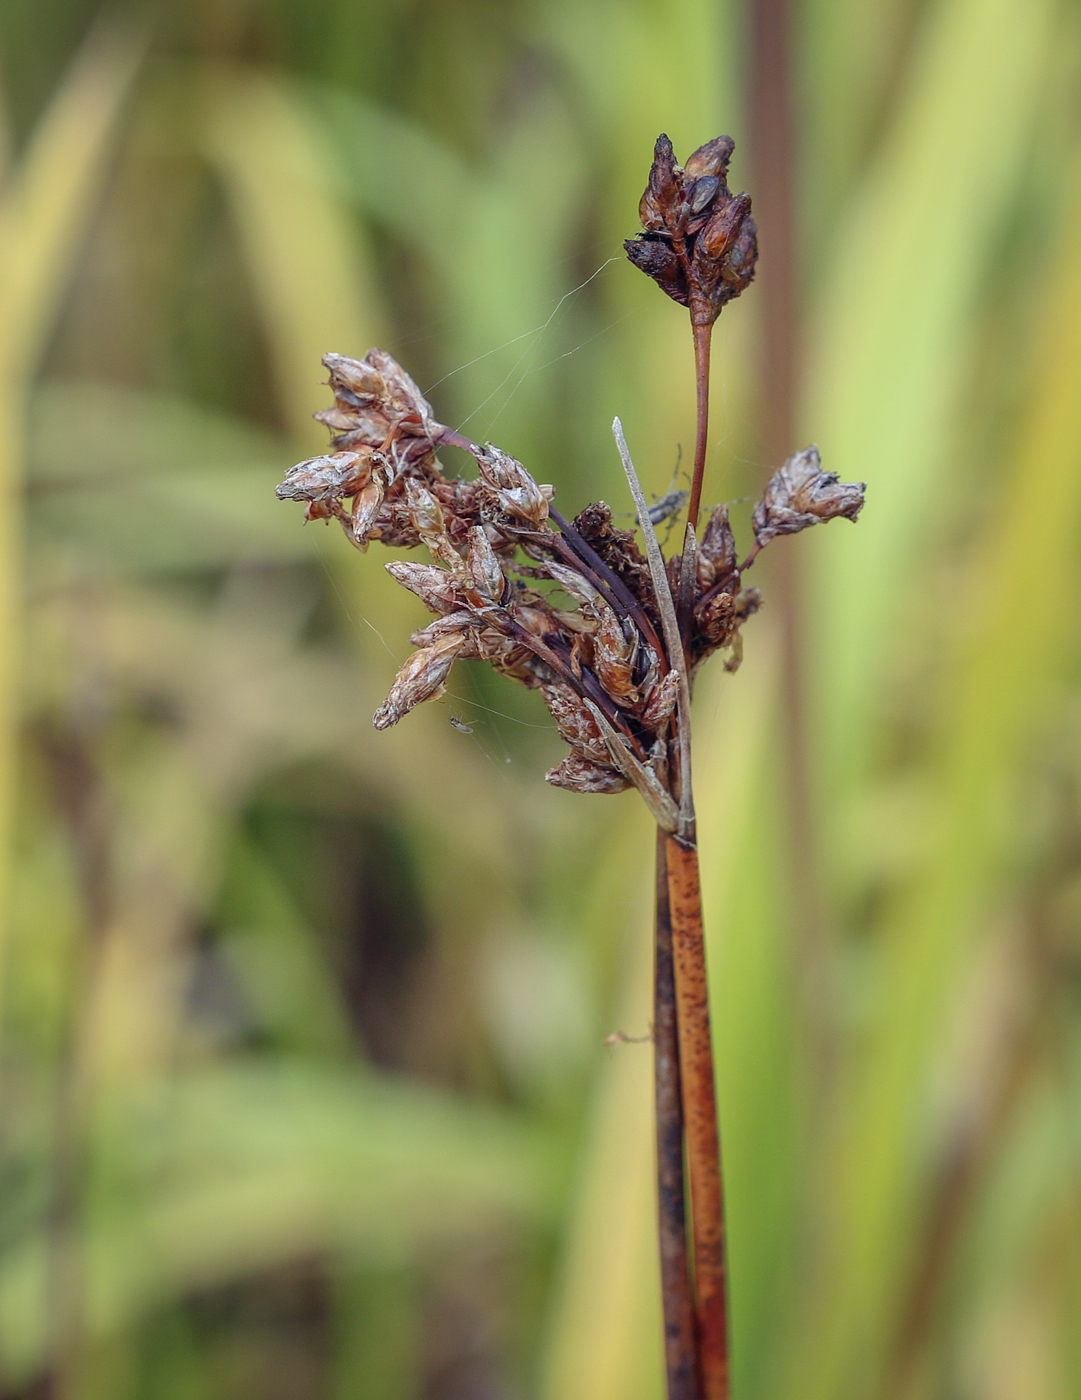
(569, 609)
(699, 242)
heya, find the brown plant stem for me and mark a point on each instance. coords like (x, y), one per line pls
(680, 1350)
(703, 336)
(699, 1115)
(702, 329)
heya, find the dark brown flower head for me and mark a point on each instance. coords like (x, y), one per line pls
(580, 621)
(699, 242)
(801, 494)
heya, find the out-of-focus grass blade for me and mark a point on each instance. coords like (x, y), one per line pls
(44, 208)
(158, 484)
(604, 1336)
(312, 283)
(890, 343)
(256, 1164)
(51, 193)
(499, 239)
(995, 698)
(285, 974)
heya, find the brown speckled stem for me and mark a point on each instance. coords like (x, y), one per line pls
(700, 1116)
(680, 1350)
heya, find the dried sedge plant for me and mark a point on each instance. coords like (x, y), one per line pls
(611, 637)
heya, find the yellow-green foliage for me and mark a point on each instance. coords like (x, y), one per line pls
(295, 1011)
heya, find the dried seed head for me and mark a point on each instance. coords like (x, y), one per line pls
(455, 622)
(660, 202)
(484, 566)
(613, 658)
(711, 159)
(661, 704)
(699, 242)
(424, 510)
(378, 381)
(432, 585)
(516, 491)
(422, 677)
(606, 677)
(716, 550)
(714, 618)
(365, 509)
(581, 775)
(801, 494)
(574, 722)
(536, 620)
(658, 259)
(326, 478)
(354, 380)
(578, 587)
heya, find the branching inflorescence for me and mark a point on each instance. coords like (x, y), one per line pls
(611, 637)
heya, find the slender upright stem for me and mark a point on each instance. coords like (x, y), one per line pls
(702, 327)
(703, 335)
(699, 1115)
(680, 1350)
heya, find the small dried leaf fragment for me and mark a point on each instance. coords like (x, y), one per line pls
(801, 494)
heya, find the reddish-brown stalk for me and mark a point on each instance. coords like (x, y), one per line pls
(680, 1340)
(695, 1068)
(703, 335)
(700, 1116)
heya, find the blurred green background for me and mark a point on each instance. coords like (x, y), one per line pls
(303, 1083)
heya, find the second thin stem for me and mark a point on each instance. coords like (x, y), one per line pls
(699, 1115)
(680, 1348)
(703, 335)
